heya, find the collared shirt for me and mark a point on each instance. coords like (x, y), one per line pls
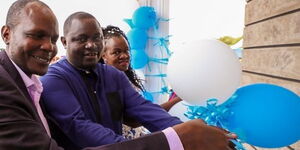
(34, 88)
(89, 78)
(173, 139)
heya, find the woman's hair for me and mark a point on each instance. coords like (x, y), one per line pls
(113, 31)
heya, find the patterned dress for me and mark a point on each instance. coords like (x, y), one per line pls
(132, 133)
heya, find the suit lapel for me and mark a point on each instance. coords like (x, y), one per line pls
(20, 85)
(13, 72)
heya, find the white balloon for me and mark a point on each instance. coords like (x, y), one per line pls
(203, 70)
(178, 110)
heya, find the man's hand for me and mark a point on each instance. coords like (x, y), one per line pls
(196, 135)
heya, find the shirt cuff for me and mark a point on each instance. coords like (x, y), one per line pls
(173, 139)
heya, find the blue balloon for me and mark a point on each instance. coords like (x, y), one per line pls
(144, 17)
(148, 96)
(265, 115)
(138, 58)
(129, 22)
(137, 38)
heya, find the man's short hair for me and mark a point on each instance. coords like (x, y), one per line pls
(15, 10)
(76, 15)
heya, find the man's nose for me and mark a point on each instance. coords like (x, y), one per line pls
(90, 44)
(48, 45)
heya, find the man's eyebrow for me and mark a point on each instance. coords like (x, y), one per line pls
(80, 35)
(39, 31)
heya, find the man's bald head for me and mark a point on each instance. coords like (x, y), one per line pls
(76, 15)
(14, 12)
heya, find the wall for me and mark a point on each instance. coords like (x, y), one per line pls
(272, 45)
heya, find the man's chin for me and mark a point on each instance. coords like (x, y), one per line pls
(89, 66)
(36, 69)
(40, 72)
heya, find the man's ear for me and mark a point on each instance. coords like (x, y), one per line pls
(103, 55)
(63, 41)
(5, 34)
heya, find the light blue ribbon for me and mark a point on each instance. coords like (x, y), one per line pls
(160, 60)
(164, 90)
(214, 115)
(211, 114)
(158, 20)
(156, 75)
(162, 41)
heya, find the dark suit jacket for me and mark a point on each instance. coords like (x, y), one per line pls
(20, 125)
(22, 129)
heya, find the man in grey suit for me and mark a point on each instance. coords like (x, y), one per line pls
(30, 35)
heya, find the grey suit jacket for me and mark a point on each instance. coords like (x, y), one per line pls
(22, 129)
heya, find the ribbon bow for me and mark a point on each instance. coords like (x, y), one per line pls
(162, 41)
(214, 115)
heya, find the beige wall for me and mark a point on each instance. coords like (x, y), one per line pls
(272, 46)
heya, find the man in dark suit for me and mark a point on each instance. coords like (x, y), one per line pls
(30, 34)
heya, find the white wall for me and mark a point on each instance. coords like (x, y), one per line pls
(106, 11)
(198, 19)
(190, 20)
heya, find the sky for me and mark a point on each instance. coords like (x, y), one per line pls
(190, 20)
